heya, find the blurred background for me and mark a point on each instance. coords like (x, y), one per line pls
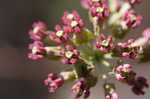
(21, 78)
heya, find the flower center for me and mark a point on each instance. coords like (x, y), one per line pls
(74, 23)
(70, 16)
(59, 33)
(99, 10)
(69, 54)
(34, 50)
(105, 43)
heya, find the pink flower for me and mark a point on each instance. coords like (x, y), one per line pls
(131, 19)
(99, 10)
(124, 68)
(134, 1)
(113, 95)
(59, 36)
(130, 51)
(38, 50)
(54, 82)
(73, 21)
(146, 33)
(38, 31)
(70, 55)
(81, 88)
(123, 71)
(105, 45)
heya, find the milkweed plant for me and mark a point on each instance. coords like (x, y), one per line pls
(84, 49)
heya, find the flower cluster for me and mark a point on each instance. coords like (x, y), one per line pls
(97, 8)
(129, 50)
(131, 19)
(54, 82)
(74, 44)
(105, 45)
(60, 35)
(73, 22)
(124, 71)
(38, 31)
(126, 74)
(38, 50)
(71, 55)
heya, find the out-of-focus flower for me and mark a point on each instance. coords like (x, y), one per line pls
(113, 95)
(59, 36)
(134, 1)
(99, 10)
(54, 82)
(81, 88)
(73, 21)
(105, 45)
(139, 84)
(70, 55)
(110, 92)
(38, 50)
(131, 20)
(130, 51)
(146, 34)
(38, 31)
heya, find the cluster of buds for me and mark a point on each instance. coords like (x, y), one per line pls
(126, 74)
(38, 50)
(129, 50)
(73, 22)
(38, 31)
(70, 54)
(131, 19)
(105, 45)
(54, 82)
(97, 8)
(124, 71)
(74, 44)
(123, 17)
(81, 88)
(60, 36)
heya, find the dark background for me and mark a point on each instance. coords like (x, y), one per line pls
(21, 78)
